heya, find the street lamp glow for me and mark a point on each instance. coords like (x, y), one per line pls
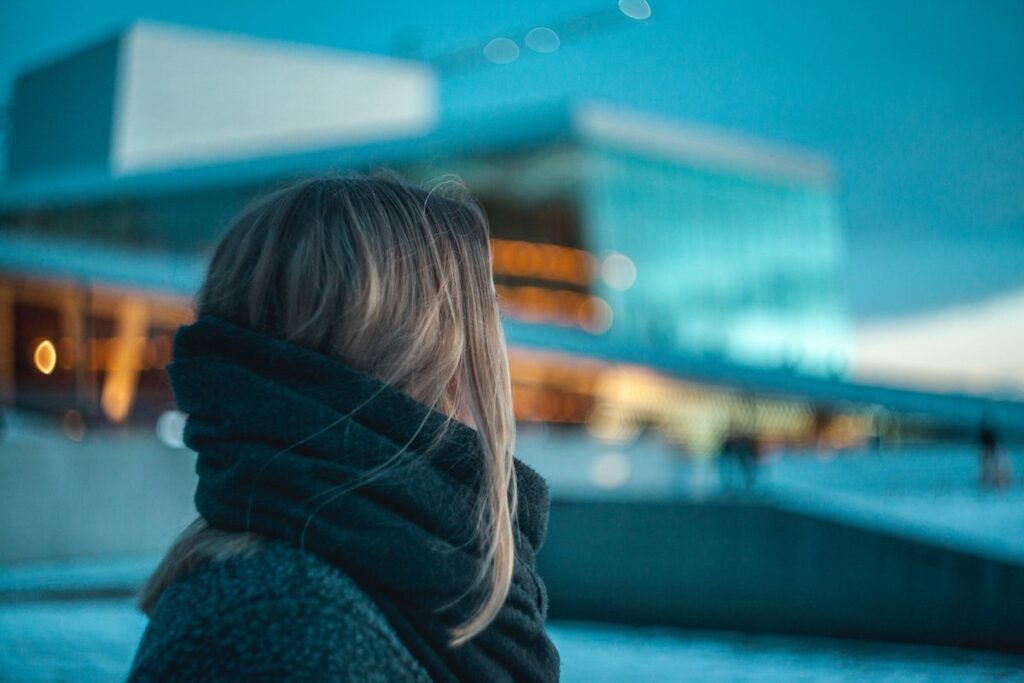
(45, 357)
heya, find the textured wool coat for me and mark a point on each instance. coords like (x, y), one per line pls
(280, 614)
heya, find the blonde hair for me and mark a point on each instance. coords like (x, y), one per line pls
(394, 281)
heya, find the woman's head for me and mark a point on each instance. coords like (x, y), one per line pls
(394, 281)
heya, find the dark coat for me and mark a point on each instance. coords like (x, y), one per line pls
(280, 614)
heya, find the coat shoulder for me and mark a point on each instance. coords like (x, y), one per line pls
(278, 614)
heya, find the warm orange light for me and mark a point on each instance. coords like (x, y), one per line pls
(66, 353)
(543, 261)
(121, 381)
(617, 401)
(535, 403)
(162, 345)
(558, 306)
(116, 401)
(45, 357)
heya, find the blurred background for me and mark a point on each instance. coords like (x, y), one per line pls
(760, 263)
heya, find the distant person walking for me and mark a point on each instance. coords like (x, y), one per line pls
(995, 468)
(748, 452)
(739, 452)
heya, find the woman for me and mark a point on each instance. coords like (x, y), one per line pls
(361, 514)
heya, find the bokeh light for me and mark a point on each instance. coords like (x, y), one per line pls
(73, 425)
(542, 39)
(595, 315)
(618, 272)
(609, 471)
(635, 9)
(45, 357)
(501, 51)
(170, 428)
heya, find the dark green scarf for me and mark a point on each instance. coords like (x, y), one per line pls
(283, 433)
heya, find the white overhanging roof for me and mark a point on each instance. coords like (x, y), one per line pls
(161, 107)
(186, 96)
(157, 97)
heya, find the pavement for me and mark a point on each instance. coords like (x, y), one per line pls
(94, 641)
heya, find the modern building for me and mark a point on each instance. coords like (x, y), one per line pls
(126, 161)
(695, 239)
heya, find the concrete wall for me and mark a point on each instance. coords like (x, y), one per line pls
(115, 494)
(751, 567)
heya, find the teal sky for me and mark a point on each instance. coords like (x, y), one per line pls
(919, 104)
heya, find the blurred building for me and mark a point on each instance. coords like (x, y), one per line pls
(127, 159)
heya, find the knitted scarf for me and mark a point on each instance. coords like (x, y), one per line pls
(291, 445)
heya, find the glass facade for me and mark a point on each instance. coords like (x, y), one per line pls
(727, 264)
